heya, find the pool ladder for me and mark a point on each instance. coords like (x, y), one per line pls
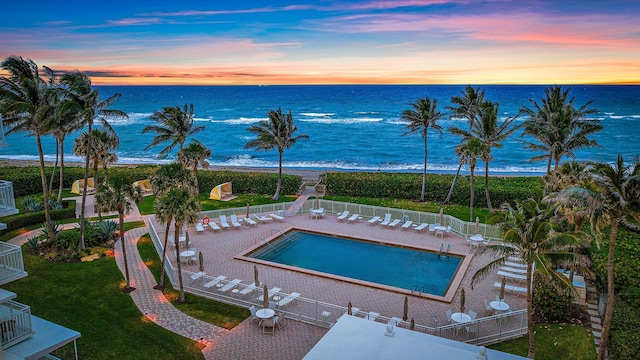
(415, 289)
(446, 254)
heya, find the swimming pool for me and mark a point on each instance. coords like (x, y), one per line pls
(400, 267)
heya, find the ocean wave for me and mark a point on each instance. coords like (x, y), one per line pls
(309, 114)
(617, 117)
(343, 121)
(366, 112)
(133, 119)
(201, 119)
(239, 121)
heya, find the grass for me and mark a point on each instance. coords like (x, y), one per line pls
(213, 312)
(146, 205)
(554, 342)
(458, 211)
(86, 297)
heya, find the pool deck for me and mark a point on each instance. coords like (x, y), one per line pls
(221, 248)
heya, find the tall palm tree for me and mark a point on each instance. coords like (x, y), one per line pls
(275, 133)
(194, 156)
(64, 122)
(100, 149)
(120, 194)
(167, 177)
(175, 124)
(487, 129)
(471, 150)
(90, 107)
(467, 105)
(558, 126)
(25, 107)
(423, 115)
(614, 201)
(181, 204)
(463, 156)
(531, 233)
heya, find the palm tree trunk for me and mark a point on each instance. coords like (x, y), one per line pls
(164, 255)
(124, 252)
(61, 171)
(532, 348)
(55, 164)
(177, 237)
(84, 186)
(45, 190)
(486, 185)
(472, 195)
(453, 184)
(549, 164)
(277, 195)
(95, 183)
(424, 169)
(608, 313)
(197, 189)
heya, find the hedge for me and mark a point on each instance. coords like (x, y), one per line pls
(27, 219)
(625, 342)
(408, 186)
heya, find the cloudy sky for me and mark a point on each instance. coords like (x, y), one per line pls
(311, 42)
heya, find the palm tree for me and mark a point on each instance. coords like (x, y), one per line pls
(531, 233)
(467, 105)
(195, 155)
(174, 126)
(120, 194)
(558, 127)
(613, 201)
(90, 108)
(167, 177)
(62, 124)
(100, 152)
(423, 115)
(462, 153)
(275, 133)
(25, 107)
(486, 129)
(471, 151)
(181, 204)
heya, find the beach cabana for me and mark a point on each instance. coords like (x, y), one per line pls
(145, 186)
(221, 191)
(78, 186)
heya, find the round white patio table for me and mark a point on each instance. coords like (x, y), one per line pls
(265, 313)
(476, 237)
(439, 227)
(460, 318)
(188, 255)
(499, 306)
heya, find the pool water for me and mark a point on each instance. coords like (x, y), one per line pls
(405, 268)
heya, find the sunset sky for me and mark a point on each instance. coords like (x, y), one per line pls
(313, 42)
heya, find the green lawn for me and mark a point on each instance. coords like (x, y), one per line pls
(554, 342)
(86, 297)
(213, 312)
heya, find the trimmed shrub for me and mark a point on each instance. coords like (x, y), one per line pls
(549, 301)
(18, 221)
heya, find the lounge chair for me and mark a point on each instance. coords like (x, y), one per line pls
(234, 222)
(374, 220)
(248, 289)
(514, 264)
(343, 215)
(223, 222)
(199, 227)
(514, 270)
(197, 275)
(288, 299)
(353, 218)
(250, 222)
(276, 217)
(394, 223)
(214, 282)
(421, 227)
(509, 275)
(214, 226)
(261, 218)
(272, 292)
(387, 220)
(407, 225)
(510, 287)
(230, 285)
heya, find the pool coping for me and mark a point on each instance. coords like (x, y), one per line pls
(447, 297)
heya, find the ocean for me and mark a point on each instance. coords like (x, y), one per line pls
(350, 127)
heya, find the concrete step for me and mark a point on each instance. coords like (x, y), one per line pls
(597, 342)
(593, 312)
(596, 334)
(597, 327)
(591, 306)
(595, 320)
(591, 289)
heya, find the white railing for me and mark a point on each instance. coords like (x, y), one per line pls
(15, 323)
(279, 208)
(7, 200)
(11, 263)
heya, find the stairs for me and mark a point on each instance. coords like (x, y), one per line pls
(594, 316)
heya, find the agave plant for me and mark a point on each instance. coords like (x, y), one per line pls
(29, 204)
(57, 229)
(33, 242)
(54, 205)
(104, 230)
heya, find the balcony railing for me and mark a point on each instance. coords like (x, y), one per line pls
(15, 323)
(7, 201)
(11, 263)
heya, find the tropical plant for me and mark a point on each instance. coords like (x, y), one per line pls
(275, 133)
(104, 230)
(423, 115)
(614, 201)
(486, 129)
(531, 233)
(90, 107)
(469, 152)
(33, 242)
(194, 156)
(100, 151)
(175, 124)
(467, 105)
(30, 204)
(25, 107)
(558, 127)
(118, 193)
(568, 174)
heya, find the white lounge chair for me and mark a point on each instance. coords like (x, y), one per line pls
(353, 218)
(272, 292)
(387, 220)
(214, 282)
(288, 299)
(214, 226)
(407, 225)
(199, 227)
(343, 215)
(230, 285)
(510, 287)
(223, 222)
(248, 289)
(509, 275)
(250, 222)
(234, 221)
(421, 227)
(514, 264)
(261, 218)
(514, 270)
(394, 223)
(276, 217)
(197, 275)
(374, 220)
